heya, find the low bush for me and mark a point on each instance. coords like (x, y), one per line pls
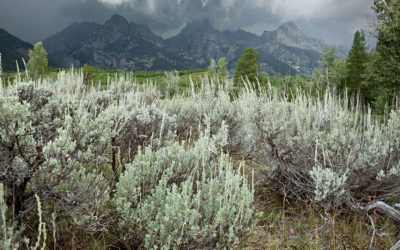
(320, 151)
(184, 198)
(82, 150)
(154, 171)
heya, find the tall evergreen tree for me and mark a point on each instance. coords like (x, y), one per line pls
(356, 64)
(247, 66)
(388, 47)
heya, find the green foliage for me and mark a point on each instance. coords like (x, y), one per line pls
(88, 74)
(333, 75)
(387, 73)
(375, 92)
(356, 65)
(247, 66)
(38, 62)
(212, 68)
(328, 57)
(337, 74)
(221, 66)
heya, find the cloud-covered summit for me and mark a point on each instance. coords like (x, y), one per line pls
(332, 20)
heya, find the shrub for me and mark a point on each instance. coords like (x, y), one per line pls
(69, 143)
(211, 104)
(184, 198)
(320, 151)
(171, 83)
(51, 146)
(155, 170)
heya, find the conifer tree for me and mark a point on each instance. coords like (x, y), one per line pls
(356, 64)
(247, 66)
(388, 47)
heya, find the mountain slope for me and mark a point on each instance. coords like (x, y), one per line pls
(287, 50)
(12, 49)
(117, 44)
(291, 35)
(201, 42)
(292, 47)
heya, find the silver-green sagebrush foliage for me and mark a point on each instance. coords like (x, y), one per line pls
(321, 149)
(184, 198)
(152, 168)
(110, 160)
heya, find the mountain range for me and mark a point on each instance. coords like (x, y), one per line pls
(124, 45)
(12, 49)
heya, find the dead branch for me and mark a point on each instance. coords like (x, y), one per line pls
(382, 207)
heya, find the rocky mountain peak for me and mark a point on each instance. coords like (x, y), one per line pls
(199, 25)
(290, 28)
(120, 44)
(116, 21)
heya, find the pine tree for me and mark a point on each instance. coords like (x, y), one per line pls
(387, 63)
(38, 62)
(247, 66)
(356, 64)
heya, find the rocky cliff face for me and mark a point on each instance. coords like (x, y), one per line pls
(289, 45)
(119, 44)
(12, 49)
(284, 51)
(289, 34)
(200, 42)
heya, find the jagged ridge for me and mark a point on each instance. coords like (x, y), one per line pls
(120, 44)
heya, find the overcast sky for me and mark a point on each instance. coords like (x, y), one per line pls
(335, 21)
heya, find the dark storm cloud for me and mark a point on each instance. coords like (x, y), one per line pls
(333, 20)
